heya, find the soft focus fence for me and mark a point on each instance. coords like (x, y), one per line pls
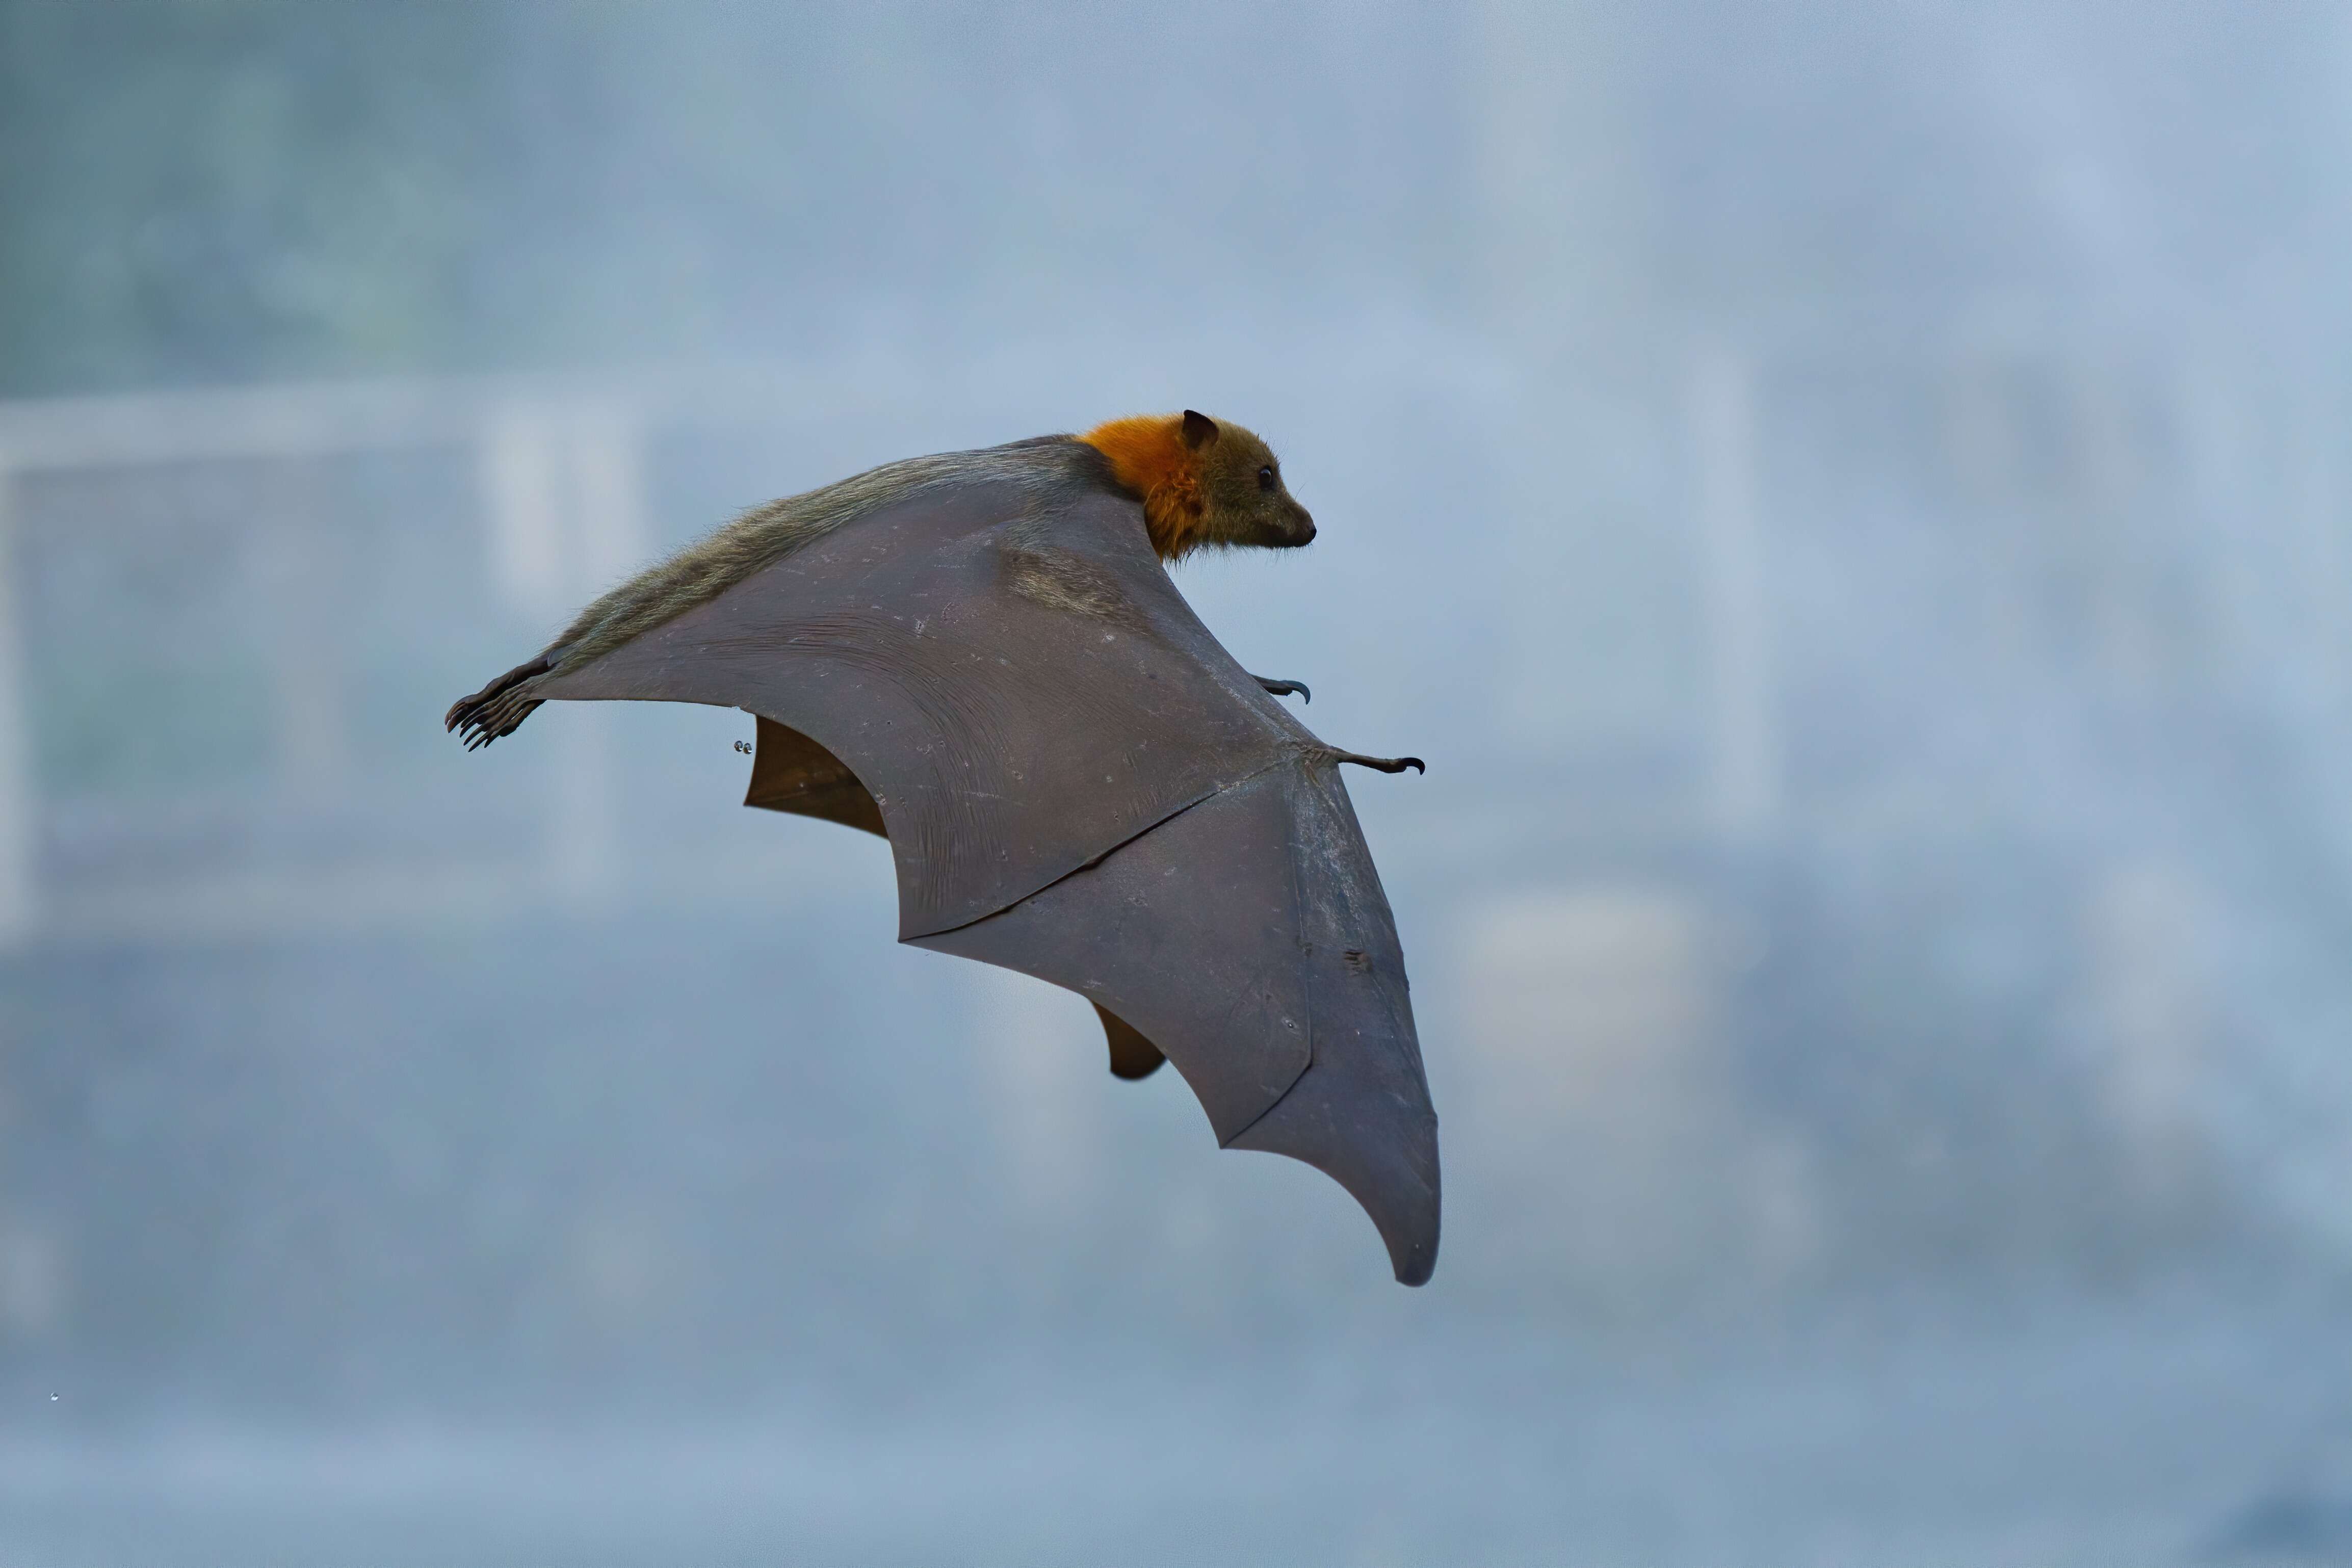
(1884, 837)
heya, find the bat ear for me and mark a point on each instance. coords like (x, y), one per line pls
(1199, 430)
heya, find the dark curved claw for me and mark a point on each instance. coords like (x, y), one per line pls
(1285, 687)
(497, 707)
(1384, 765)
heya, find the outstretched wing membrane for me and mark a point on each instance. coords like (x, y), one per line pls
(1253, 918)
(1078, 782)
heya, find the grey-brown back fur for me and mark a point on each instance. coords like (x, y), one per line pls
(1043, 465)
(766, 534)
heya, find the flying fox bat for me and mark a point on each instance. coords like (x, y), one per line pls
(980, 657)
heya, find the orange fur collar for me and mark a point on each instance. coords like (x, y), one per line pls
(1148, 456)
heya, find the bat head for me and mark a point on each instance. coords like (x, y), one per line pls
(1242, 499)
(1203, 482)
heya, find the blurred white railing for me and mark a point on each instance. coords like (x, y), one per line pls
(558, 471)
(16, 820)
(561, 473)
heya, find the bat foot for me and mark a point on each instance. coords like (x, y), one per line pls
(1285, 688)
(1383, 764)
(497, 707)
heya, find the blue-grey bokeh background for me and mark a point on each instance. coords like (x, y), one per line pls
(1852, 502)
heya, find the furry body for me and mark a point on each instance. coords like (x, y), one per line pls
(981, 657)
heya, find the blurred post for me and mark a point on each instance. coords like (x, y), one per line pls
(1606, 1114)
(564, 499)
(519, 505)
(2147, 1002)
(1557, 190)
(308, 557)
(16, 888)
(607, 461)
(1562, 269)
(2323, 566)
(1043, 1061)
(1744, 762)
(2101, 537)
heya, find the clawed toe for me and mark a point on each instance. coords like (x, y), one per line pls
(1383, 764)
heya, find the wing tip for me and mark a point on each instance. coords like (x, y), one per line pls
(1378, 1145)
(1412, 1228)
(1413, 1267)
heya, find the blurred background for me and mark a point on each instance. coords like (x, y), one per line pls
(1852, 502)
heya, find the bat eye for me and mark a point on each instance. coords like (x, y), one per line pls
(1266, 478)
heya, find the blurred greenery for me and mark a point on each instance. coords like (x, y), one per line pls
(232, 189)
(219, 190)
(155, 726)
